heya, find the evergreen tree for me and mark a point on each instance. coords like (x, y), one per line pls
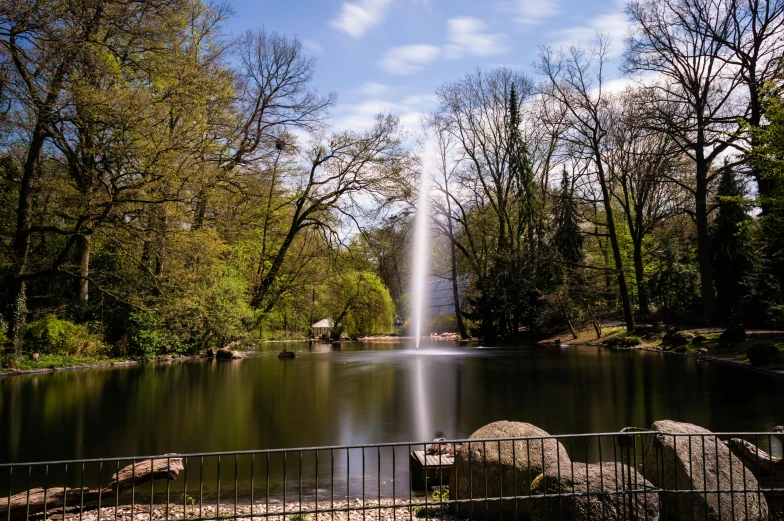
(734, 264)
(567, 239)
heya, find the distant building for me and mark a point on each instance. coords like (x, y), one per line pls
(440, 298)
(322, 327)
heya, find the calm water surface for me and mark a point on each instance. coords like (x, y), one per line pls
(368, 393)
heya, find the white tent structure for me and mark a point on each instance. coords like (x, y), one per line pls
(322, 327)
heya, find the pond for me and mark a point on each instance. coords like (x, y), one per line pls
(369, 393)
(361, 393)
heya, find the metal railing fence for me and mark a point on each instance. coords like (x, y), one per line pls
(632, 474)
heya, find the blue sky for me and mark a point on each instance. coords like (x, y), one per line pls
(391, 55)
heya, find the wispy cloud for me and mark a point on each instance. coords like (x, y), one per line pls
(531, 12)
(355, 19)
(360, 116)
(373, 89)
(408, 59)
(313, 46)
(466, 36)
(614, 25)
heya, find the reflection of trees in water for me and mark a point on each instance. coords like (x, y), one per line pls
(364, 397)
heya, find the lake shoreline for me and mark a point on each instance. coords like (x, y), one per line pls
(97, 365)
(584, 341)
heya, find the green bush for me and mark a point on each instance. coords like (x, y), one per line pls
(623, 341)
(147, 335)
(52, 336)
(9, 361)
(3, 330)
(764, 354)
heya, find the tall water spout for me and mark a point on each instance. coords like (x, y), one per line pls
(421, 262)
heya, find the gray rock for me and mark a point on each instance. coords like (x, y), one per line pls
(228, 354)
(589, 479)
(698, 463)
(502, 468)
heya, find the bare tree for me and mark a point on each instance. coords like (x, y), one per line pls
(693, 99)
(340, 171)
(752, 32)
(641, 164)
(576, 81)
(448, 210)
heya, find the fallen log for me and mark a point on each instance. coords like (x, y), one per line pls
(39, 500)
(145, 471)
(768, 469)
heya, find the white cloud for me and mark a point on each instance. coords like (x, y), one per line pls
(467, 36)
(615, 25)
(533, 12)
(361, 116)
(373, 89)
(313, 46)
(356, 19)
(408, 59)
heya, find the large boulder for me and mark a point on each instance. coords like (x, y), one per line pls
(625, 495)
(496, 469)
(674, 460)
(228, 354)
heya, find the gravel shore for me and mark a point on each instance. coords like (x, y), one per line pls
(386, 510)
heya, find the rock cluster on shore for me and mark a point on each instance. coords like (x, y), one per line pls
(684, 459)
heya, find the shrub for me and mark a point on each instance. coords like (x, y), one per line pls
(623, 341)
(147, 335)
(680, 338)
(763, 354)
(699, 339)
(3, 330)
(441, 494)
(9, 360)
(52, 336)
(734, 334)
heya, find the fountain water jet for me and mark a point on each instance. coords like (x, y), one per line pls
(421, 260)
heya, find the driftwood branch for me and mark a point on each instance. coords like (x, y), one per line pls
(38, 500)
(768, 469)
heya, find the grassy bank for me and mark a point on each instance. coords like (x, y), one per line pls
(702, 344)
(54, 362)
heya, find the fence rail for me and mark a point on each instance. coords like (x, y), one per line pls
(633, 474)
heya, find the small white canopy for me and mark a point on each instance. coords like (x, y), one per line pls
(324, 323)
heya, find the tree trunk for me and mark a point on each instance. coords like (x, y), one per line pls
(639, 272)
(83, 285)
(39, 500)
(16, 310)
(703, 239)
(622, 288)
(455, 293)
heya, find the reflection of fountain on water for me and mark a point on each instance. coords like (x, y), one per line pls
(422, 405)
(421, 248)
